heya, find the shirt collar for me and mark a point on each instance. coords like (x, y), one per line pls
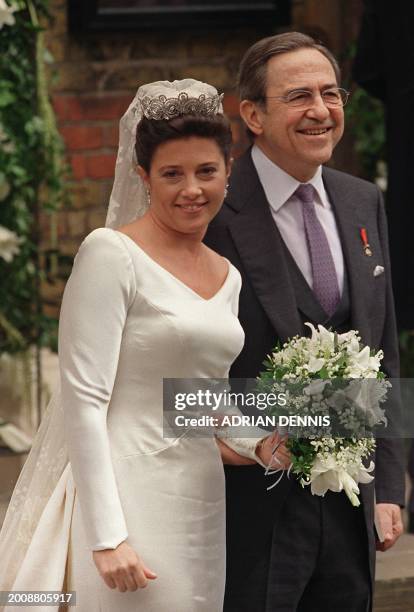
(278, 185)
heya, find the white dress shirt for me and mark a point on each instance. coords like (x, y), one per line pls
(286, 209)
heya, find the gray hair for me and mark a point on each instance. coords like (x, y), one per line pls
(253, 68)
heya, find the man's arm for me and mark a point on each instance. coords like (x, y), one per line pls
(389, 460)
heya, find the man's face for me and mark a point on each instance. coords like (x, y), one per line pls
(299, 140)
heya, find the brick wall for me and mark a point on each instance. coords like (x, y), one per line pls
(97, 76)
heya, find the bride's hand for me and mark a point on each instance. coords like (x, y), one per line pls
(230, 457)
(122, 568)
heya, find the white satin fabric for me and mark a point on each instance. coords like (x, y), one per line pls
(126, 323)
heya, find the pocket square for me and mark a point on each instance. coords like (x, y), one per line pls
(378, 270)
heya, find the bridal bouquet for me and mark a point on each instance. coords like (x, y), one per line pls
(321, 378)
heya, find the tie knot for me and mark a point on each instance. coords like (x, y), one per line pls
(306, 193)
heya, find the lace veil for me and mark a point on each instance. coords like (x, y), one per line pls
(47, 463)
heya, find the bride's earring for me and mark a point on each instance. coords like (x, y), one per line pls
(226, 191)
(149, 197)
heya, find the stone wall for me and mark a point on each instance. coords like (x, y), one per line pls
(98, 74)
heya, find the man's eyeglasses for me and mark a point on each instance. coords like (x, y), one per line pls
(302, 99)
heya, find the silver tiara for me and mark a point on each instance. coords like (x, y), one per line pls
(162, 107)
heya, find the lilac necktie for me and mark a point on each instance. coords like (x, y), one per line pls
(325, 281)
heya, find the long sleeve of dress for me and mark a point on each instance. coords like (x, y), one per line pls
(94, 309)
(243, 442)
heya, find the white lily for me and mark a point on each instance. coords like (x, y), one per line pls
(327, 338)
(362, 358)
(351, 488)
(313, 330)
(6, 13)
(327, 475)
(322, 336)
(315, 364)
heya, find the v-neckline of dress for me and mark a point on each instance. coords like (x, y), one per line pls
(175, 278)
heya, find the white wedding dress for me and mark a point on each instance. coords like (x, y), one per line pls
(127, 323)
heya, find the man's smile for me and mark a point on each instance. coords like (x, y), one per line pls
(315, 131)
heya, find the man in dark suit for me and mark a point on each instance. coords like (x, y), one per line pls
(299, 233)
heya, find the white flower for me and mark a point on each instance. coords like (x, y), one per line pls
(6, 13)
(315, 364)
(362, 358)
(348, 336)
(9, 243)
(362, 365)
(327, 338)
(352, 346)
(314, 332)
(328, 475)
(322, 338)
(351, 488)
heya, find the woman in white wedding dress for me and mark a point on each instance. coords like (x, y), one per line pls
(105, 504)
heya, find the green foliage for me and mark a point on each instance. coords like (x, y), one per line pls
(302, 455)
(366, 117)
(31, 177)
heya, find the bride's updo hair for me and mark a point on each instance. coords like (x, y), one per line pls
(151, 133)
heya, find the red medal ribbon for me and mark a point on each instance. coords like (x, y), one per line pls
(364, 238)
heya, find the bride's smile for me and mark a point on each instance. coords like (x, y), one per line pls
(186, 194)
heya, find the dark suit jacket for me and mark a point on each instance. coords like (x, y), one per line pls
(245, 232)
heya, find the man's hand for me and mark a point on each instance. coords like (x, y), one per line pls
(389, 517)
(274, 459)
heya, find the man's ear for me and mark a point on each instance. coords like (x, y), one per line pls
(252, 116)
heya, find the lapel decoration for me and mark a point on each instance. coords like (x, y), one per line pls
(350, 219)
(365, 243)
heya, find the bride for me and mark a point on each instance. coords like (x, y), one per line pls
(105, 505)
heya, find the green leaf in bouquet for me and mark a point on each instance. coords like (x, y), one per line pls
(322, 373)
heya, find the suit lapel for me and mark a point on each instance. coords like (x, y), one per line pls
(345, 204)
(263, 255)
(261, 250)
